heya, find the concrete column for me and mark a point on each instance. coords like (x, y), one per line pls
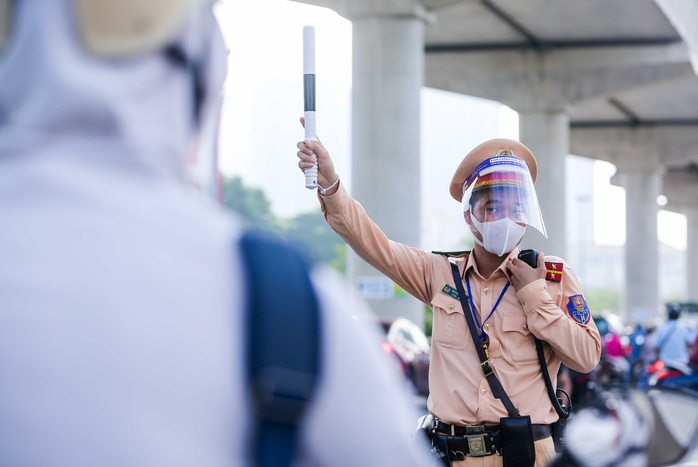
(692, 254)
(681, 189)
(388, 74)
(642, 187)
(546, 133)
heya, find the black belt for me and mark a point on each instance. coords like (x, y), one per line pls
(539, 431)
(476, 441)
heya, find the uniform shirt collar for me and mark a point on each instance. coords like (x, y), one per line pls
(470, 264)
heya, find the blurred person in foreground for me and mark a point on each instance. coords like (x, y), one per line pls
(494, 184)
(121, 297)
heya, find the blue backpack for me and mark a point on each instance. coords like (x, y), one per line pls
(283, 342)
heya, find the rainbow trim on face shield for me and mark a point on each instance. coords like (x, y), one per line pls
(500, 180)
(501, 158)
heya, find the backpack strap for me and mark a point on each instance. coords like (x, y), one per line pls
(283, 342)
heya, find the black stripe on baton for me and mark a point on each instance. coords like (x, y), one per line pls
(309, 92)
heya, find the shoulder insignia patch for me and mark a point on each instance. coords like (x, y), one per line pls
(578, 309)
(448, 290)
(553, 271)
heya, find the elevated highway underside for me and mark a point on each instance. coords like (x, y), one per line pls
(613, 81)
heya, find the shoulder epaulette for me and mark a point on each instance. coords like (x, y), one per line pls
(553, 271)
(453, 254)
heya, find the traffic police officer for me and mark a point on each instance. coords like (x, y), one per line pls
(512, 303)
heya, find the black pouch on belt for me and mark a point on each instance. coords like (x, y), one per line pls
(559, 434)
(517, 442)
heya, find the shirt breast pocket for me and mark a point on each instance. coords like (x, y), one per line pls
(517, 341)
(449, 328)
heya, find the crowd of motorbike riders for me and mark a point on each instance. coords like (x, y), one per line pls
(647, 355)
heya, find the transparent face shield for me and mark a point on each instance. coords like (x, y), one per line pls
(501, 187)
(118, 28)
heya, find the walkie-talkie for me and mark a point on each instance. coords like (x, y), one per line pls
(529, 257)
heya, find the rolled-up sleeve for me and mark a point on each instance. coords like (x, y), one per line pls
(410, 268)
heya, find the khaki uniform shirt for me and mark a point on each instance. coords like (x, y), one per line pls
(459, 392)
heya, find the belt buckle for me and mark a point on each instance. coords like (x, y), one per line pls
(477, 445)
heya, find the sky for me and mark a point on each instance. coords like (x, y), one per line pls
(264, 100)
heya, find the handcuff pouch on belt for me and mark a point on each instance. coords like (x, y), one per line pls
(517, 439)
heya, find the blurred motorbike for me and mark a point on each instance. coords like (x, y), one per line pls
(673, 374)
(611, 372)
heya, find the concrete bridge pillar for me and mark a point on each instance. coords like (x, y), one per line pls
(692, 253)
(681, 189)
(546, 133)
(642, 187)
(388, 74)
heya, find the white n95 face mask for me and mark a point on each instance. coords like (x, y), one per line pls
(499, 237)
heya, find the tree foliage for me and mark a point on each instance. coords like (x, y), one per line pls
(604, 299)
(311, 232)
(307, 230)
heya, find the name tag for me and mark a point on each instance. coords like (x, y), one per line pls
(448, 290)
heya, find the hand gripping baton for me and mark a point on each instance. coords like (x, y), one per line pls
(309, 99)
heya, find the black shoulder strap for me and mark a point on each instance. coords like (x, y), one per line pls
(283, 342)
(495, 385)
(552, 394)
